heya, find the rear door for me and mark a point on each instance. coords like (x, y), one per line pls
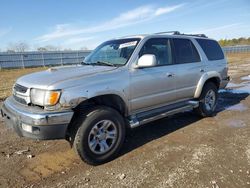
(189, 68)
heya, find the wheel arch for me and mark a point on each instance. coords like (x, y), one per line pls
(213, 77)
(111, 100)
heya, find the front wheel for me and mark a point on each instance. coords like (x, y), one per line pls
(100, 136)
(207, 100)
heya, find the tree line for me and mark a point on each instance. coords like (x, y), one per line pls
(22, 46)
(235, 41)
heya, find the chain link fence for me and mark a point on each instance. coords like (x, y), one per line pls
(236, 49)
(38, 59)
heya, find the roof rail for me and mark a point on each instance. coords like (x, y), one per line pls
(196, 35)
(178, 33)
(174, 32)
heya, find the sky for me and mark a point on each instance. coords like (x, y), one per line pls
(76, 24)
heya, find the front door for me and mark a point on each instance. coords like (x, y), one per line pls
(153, 86)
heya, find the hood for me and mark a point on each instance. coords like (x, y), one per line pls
(45, 79)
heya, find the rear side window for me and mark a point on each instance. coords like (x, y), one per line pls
(185, 51)
(211, 48)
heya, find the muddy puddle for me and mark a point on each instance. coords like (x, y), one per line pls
(238, 107)
(246, 78)
(238, 88)
(236, 123)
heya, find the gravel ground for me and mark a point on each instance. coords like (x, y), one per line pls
(179, 151)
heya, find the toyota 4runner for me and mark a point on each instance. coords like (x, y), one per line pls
(124, 82)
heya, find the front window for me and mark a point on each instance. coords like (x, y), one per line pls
(161, 48)
(113, 53)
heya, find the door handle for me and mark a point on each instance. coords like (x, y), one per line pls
(169, 74)
(202, 70)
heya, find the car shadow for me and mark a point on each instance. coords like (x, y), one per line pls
(157, 129)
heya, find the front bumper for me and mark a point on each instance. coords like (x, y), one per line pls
(34, 122)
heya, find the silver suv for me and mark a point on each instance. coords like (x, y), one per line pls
(124, 83)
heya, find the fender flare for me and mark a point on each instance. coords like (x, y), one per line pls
(206, 76)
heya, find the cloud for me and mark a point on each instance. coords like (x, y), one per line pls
(77, 40)
(5, 31)
(135, 16)
(166, 10)
(219, 32)
(219, 28)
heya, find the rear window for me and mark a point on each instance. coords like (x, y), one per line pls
(185, 52)
(211, 48)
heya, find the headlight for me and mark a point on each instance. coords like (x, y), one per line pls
(44, 97)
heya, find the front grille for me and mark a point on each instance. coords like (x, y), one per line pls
(20, 88)
(20, 100)
(21, 94)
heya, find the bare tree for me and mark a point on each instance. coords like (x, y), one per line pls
(67, 49)
(49, 48)
(18, 47)
(53, 48)
(42, 49)
(84, 48)
(10, 51)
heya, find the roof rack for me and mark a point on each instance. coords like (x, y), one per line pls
(178, 33)
(174, 32)
(196, 35)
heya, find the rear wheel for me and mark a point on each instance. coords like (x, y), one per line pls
(100, 135)
(208, 100)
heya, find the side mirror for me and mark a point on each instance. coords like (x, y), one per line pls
(147, 60)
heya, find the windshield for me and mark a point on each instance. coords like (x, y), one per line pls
(112, 53)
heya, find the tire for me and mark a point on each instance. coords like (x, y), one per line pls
(103, 128)
(210, 91)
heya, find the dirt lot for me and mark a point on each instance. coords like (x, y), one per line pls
(179, 151)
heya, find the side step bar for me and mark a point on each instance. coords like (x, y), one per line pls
(158, 113)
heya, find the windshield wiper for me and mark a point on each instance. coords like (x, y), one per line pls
(98, 63)
(84, 63)
(104, 63)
